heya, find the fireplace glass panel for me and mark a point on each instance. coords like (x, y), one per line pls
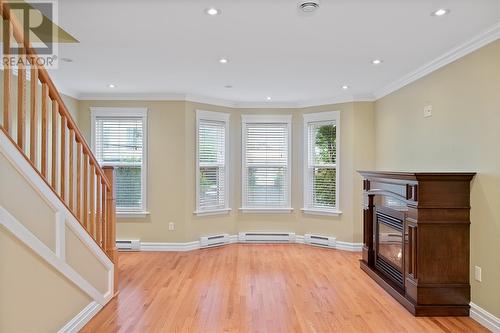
(390, 245)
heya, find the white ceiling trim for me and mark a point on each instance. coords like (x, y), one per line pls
(484, 38)
(219, 102)
(156, 97)
(132, 96)
(327, 101)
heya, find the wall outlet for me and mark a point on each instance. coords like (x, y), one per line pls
(171, 226)
(477, 273)
(427, 111)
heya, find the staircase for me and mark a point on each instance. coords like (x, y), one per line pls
(42, 142)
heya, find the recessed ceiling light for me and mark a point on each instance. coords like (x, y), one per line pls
(212, 11)
(377, 61)
(345, 87)
(223, 61)
(268, 98)
(111, 86)
(308, 6)
(440, 12)
(228, 86)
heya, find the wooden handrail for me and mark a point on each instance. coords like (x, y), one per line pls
(92, 201)
(44, 77)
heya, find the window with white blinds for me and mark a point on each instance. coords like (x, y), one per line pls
(321, 144)
(266, 162)
(212, 184)
(119, 140)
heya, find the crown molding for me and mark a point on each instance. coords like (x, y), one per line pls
(156, 97)
(132, 96)
(336, 100)
(484, 38)
(209, 100)
(266, 105)
(220, 102)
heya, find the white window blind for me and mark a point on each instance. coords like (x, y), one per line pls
(320, 179)
(266, 169)
(119, 141)
(212, 184)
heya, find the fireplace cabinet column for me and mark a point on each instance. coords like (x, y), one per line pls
(368, 251)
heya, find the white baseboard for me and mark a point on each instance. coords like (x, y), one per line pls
(339, 245)
(82, 318)
(194, 245)
(345, 246)
(189, 246)
(233, 239)
(485, 318)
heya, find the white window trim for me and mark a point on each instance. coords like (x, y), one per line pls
(222, 211)
(128, 112)
(254, 118)
(318, 117)
(266, 210)
(132, 214)
(214, 116)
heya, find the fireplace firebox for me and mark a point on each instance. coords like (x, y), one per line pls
(389, 247)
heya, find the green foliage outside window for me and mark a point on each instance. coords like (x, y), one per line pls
(324, 176)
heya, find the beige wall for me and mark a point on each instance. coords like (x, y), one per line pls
(72, 104)
(34, 296)
(171, 174)
(166, 170)
(462, 135)
(16, 204)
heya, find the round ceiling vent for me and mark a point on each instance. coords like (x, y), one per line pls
(308, 6)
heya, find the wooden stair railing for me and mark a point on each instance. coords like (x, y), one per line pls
(56, 148)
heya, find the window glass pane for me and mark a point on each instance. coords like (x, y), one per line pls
(211, 142)
(266, 163)
(324, 187)
(266, 187)
(320, 187)
(211, 160)
(267, 144)
(128, 187)
(212, 188)
(119, 142)
(323, 140)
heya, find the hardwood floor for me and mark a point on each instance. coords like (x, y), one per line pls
(257, 288)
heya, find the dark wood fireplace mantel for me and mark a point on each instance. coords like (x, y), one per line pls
(416, 239)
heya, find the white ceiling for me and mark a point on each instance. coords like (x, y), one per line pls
(158, 47)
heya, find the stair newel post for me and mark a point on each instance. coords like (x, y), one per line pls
(110, 246)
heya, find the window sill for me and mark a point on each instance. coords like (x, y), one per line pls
(266, 210)
(223, 211)
(131, 215)
(324, 212)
